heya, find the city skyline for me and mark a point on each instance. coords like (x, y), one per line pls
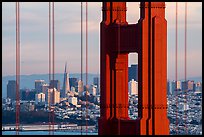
(34, 37)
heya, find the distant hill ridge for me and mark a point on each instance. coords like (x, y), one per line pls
(28, 81)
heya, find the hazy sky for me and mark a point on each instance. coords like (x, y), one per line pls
(34, 37)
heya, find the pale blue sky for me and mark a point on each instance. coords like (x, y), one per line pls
(34, 37)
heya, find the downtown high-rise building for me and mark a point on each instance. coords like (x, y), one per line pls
(72, 100)
(96, 83)
(66, 86)
(55, 84)
(52, 96)
(173, 87)
(38, 85)
(24, 94)
(73, 82)
(40, 98)
(190, 85)
(184, 85)
(11, 89)
(133, 72)
(80, 87)
(198, 86)
(92, 90)
(133, 87)
(27, 94)
(178, 85)
(170, 87)
(45, 87)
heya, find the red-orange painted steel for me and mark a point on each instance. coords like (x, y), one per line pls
(176, 66)
(149, 39)
(53, 63)
(49, 44)
(86, 67)
(51, 40)
(81, 53)
(17, 67)
(185, 115)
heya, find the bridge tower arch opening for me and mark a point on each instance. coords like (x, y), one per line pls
(133, 85)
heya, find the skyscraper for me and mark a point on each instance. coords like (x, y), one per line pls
(55, 84)
(38, 85)
(73, 100)
(96, 82)
(44, 88)
(66, 86)
(92, 89)
(24, 94)
(40, 98)
(198, 86)
(73, 82)
(80, 87)
(169, 87)
(133, 72)
(133, 87)
(190, 84)
(184, 85)
(11, 89)
(173, 87)
(178, 85)
(52, 97)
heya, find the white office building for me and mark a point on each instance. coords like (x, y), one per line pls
(133, 87)
(72, 100)
(40, 98)
(50, 98)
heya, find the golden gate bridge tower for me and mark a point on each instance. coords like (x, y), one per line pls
(149, 39)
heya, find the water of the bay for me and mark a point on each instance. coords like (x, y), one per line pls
(47, 133)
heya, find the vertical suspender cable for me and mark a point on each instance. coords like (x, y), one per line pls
(49, 44)
(81, 53)
(86, 66)
(17, 133)
(53, 44)
(51, 100)
(185, 116)
(176, 70)
(17, 66)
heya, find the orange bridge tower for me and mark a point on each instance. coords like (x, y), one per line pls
(149, 39)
